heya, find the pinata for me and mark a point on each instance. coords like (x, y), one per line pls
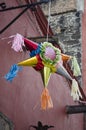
(47, 59)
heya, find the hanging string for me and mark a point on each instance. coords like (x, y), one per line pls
(49, 15)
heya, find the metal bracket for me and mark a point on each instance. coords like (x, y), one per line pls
(2, 5)
(26, 7)
(76, 109)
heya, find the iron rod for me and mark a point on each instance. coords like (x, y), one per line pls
(23, 6)
(29, 6)
(13, 20)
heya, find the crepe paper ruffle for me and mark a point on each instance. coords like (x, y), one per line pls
(46, 59)
(75, 67)
(46, 101)
(17, 43)
(35, 52)
(12, 72)
(75, 92)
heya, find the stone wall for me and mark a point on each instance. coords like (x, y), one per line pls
(5, 123)
(60, 6)
(67, 27)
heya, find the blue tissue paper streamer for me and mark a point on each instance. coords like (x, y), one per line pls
(12, 72)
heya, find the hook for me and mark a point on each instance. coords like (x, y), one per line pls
(3, 5)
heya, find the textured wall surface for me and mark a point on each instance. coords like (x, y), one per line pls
(67, 26)
(5, 123)
(20, 100)
(60, 6)
(84, 48)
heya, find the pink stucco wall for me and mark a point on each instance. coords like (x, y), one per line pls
(20, 100)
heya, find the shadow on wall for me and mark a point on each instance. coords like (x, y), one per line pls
(40, 126)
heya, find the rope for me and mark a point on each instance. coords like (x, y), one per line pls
(49, 15)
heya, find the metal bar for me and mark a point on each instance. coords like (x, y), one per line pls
(76, 109)
(23, 6)
(8, 25)
(29, 6)
(43, 38)
(13, 8)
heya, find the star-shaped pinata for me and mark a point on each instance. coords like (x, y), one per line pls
(47, 59)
